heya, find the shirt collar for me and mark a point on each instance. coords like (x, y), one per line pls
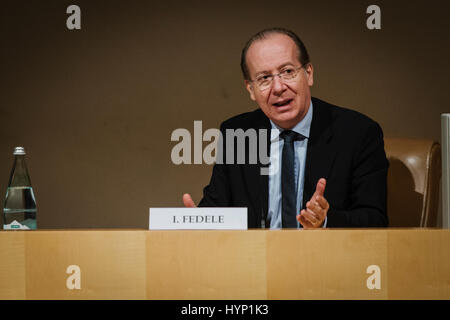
(303, 127)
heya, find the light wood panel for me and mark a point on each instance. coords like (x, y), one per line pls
(330, 264)
(419, 264)
(112, 264)
(253, 264)
(206, 265)
(12, 265)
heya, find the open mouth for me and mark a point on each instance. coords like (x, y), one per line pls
(282, 103)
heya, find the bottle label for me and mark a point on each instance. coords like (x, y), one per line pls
(15, 226)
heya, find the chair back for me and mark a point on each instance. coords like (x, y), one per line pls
(414, 178)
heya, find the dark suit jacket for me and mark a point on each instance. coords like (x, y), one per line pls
(345, 147)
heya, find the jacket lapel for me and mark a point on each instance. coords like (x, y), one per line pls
(320, 153)
(258, 183)
(264, 178)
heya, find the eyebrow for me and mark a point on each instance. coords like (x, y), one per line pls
(278, 68)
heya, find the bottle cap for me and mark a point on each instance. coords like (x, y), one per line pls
(19, 151)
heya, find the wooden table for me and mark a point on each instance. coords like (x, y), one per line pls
(253, 264)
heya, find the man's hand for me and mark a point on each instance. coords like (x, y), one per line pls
(188, 202)
(316, 208)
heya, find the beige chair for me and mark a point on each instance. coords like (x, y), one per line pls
(414, 178)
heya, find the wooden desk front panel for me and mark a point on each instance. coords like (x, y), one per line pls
(254, 264)
(12, 265)
(112, 264)
(206, 265)
(325, 264)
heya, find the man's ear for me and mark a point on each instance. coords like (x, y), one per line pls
(249, 87)
(310, 74)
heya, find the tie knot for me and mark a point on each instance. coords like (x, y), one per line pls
(289, 136)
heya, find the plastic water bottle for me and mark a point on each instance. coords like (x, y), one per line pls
(19, 210)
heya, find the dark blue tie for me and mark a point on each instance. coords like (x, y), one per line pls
(288, 192)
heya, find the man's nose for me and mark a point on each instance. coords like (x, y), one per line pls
(278, 86)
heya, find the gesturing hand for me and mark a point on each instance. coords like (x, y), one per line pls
(187, 201)
(316, 208)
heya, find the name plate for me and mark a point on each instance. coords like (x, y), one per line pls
(203, 218)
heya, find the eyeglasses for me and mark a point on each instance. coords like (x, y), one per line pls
(264, 81)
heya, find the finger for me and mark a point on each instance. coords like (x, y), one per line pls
(322, 202)
(312, 209)
(305, 223)
(319, 214)
(188, 202)
(320, 188)
(312, 205)
(300, 217)
(315, 209)
(310, 217)
(316, 214)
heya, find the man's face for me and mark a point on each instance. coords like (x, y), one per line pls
(284, 102)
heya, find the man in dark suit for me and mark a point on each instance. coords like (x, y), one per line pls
(328, 165)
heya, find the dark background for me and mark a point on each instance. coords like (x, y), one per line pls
(95, 108)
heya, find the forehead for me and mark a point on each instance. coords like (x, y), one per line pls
(270, 53)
